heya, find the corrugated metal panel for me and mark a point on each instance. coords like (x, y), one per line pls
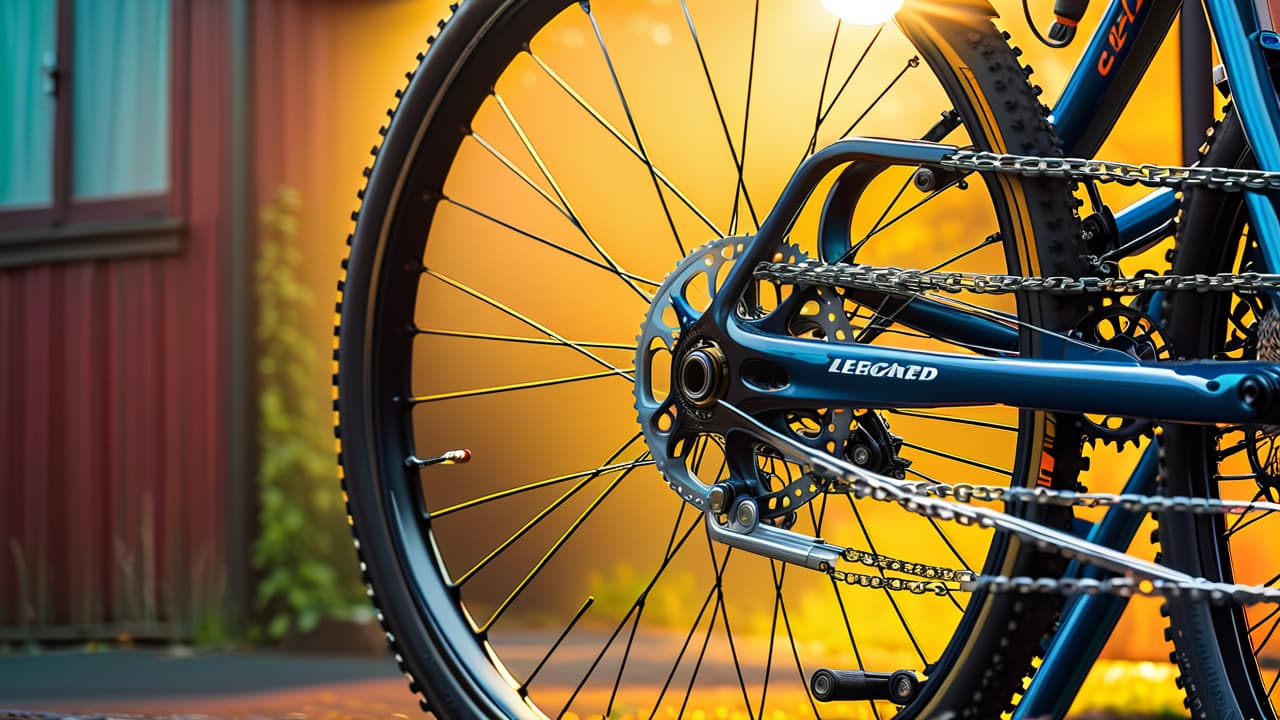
(112, 494)
(112, 414)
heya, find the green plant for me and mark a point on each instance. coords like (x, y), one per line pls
(301, 551)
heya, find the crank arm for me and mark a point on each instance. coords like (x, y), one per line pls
(812, 374)
(888, 489)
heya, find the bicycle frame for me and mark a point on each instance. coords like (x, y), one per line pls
(824, 374)
(1088, 621)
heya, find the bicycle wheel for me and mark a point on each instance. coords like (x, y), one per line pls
(549, 163)
(1223, 653)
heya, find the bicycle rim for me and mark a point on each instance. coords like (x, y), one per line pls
(495, 287)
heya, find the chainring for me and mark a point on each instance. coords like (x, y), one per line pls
(817, 313)
(1136, 334)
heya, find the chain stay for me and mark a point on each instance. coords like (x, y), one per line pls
(1147, 577)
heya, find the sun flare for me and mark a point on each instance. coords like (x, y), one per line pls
(863, 12)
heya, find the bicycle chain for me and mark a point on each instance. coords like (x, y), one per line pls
(899, 280)
(967, 581)
(904, 281)
(944, 581)
(935, 582)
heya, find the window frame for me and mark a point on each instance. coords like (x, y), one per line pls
(70, 229)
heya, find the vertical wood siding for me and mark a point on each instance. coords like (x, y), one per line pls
(112, 421)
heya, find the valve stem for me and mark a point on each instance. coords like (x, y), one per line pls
(453, 457)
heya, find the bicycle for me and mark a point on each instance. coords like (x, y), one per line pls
(542, 195)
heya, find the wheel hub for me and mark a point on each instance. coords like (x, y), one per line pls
(703, 374)
(683, 372)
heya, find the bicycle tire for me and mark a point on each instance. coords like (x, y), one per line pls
(432, 634)
(1212, 645)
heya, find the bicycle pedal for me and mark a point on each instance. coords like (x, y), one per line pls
(899, 687)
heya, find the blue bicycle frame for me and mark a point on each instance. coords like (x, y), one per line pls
(1243, 44)
(822, 374)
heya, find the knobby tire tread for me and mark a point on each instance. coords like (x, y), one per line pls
(1006, 654)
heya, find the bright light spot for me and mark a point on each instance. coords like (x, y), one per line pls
(863, 12)
(662, 34)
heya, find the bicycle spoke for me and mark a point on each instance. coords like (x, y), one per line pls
(877, 231)
(524, 686)
(1239, 519)
(778, 579)
(990, 240)
(602, 470)
(897, 611)
(666, 685)
(1270, 633)
(619, 273)
(1253, 628)
(527, 321)
(768, 663)
(952, 419)
(844, 613)
(894, 202)
(711, 624)
(1243, 444)
(1007, 319)
(947, 541)
(543, 514)
(521, 340)
(746, 123)
(498, 155)
(604, 122)
(622, 666)
(421, 399)
(564, 210)
(546, 558)
(959, 459)
(913, 62)
(824, 113)
(724, 123)
(1249, 522)
(626, 108)
(724, 615)
(666, 561)
(857, 656)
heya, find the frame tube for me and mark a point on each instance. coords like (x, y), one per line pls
(1088, 620)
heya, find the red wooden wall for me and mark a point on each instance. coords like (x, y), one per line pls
(112, 409)
(114, 412)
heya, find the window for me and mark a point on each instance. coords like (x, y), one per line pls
(86, 90)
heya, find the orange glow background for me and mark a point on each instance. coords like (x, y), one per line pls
(378, 45)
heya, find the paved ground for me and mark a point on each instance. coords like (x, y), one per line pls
(219, 685)
(182, 686)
